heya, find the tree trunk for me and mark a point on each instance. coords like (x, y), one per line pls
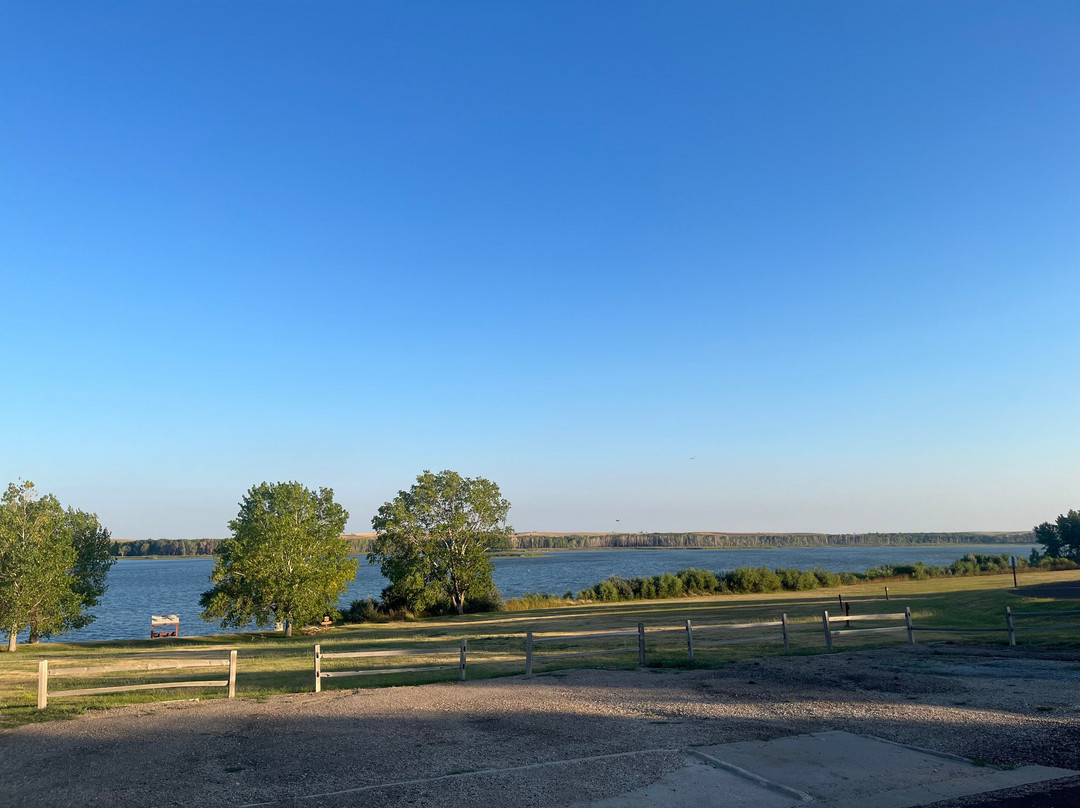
(12, 638)
(459, 603)
(34, 637)
(288, 628)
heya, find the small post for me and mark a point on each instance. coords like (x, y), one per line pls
(783, 626)
(464, 648)
(528, 654)
(847, 613)
(641, 645)
(318, 668)
(689, 641)
(886, 593)
(910, 629)
(43, 684)
(828, 634)
(1009, 624)
(841, 599)
(1012, 559)
(232, 673)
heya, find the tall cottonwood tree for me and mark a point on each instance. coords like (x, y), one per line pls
(433, 540)
(53, 564)
(285, 562)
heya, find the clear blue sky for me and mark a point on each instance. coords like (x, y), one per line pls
(691, 266)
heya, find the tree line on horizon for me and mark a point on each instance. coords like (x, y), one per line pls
(360, 545)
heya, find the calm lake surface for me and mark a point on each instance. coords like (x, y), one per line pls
(139, 588)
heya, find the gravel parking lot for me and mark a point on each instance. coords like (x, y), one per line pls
(555, 739)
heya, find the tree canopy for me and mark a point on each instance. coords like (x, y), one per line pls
(285, 561)
(1061, 538)
(53, 564)
(432, 541)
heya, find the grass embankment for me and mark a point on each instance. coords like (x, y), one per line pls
(270, 664)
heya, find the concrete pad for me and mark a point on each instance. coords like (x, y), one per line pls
(839, 769)
(698, 785)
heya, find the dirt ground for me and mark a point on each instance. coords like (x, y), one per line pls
(553, 740)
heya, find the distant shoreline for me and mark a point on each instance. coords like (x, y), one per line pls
(537, 552)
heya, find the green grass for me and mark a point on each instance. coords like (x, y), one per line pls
(271, 664)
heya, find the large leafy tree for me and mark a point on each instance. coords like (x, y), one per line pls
(53, 564)
(1061, 538)
(87, 576)
(285, 562)
(433, 540)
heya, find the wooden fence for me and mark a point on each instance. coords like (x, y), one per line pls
(157, 664)
(831, 633)
(320, 655)
(741, 639)
(531, 640)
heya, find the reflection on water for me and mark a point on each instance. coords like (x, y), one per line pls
(139, 588)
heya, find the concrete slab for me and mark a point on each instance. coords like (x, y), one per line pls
(842, 770)
(699, 785)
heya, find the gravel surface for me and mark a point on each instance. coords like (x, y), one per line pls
(564, 737)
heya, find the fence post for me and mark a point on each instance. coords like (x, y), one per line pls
(528, 654)
(1011, 627)
(464, 647)
(43, 684)
(318, 668)
(910, 628)
(232, 673)
(689, 640)
(641, 645)
(783, 626)
(828, 634)
(886, 593)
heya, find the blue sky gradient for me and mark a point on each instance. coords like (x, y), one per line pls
(830, 251)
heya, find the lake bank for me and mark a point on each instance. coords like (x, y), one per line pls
(141, 587)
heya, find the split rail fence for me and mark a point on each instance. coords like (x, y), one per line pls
(461, 649)
(130, 666)
(562, 646)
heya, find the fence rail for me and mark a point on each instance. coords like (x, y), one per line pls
(531, 640)
(45, 674)
(461, 649)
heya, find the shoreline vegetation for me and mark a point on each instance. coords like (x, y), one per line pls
(537, 543)
(271, 664)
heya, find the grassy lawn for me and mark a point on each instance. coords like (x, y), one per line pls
(271, 664)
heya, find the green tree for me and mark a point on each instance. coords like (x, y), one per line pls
(53, 564)
(1061, 539)
(285, 562)
(432, 541)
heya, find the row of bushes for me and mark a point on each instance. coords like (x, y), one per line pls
(744, 580)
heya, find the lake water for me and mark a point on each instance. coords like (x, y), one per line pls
(139, 588)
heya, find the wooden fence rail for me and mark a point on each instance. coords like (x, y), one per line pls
(320, 655)
(531, 640)
(739, 627)
(45, 674)
(831, 633)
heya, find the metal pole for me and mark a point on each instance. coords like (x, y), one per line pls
(1013, 560)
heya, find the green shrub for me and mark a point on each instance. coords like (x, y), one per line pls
(826, 578)
(753, 579)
